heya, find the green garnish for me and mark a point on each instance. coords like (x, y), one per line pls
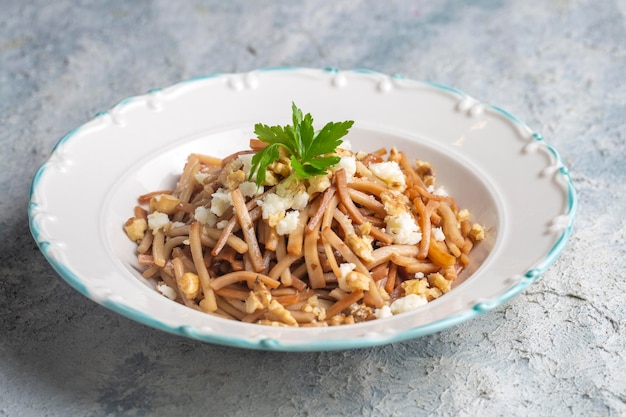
(308, 150)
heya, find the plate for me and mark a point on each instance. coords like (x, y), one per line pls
(513, 182)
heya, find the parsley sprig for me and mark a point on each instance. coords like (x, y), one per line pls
(310, 152)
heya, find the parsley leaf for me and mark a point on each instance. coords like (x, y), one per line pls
(308, 151)
(261, 160)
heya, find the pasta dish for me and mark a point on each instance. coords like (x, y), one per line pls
(308, 235)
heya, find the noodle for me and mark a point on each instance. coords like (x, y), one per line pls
(359, 241)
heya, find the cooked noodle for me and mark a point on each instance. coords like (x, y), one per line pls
(341, 249)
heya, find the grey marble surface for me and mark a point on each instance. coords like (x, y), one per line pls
(558, 349)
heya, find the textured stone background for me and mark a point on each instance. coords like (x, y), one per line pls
(557, 349)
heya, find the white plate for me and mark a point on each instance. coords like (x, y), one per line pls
(493, 164)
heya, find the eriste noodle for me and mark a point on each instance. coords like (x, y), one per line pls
(373, 237)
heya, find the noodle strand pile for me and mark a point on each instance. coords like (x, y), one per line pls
(372, 238)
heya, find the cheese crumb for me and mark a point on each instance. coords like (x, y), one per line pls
(290, 194)
(348, 163)
(441, 191)
(221, 201)
(408, 303)
(288, 223)
(438, 234)
(205, 216)
(300, 200)
(345, 268)
(246, 162)
(274, 208)
(250, 189)
(200, 177)
(383, 312)
(403, 229)
(166, 290)
(157, 220)
(390, 173)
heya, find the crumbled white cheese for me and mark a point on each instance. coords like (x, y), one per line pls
(200, 177)
(246, 161)
(419, 275)
(403, 229)
(290, 194)
(166, 290)
(221, 201)
(157, 220)
(438, 234)
(250, 189)
(205, 216)
(221, 225)
(441, 191)
(348, 163)
(346, 268)
(288, 223)
(390, 173)
(300, 200)
(408, 303)
(383, 312)
(272, 204)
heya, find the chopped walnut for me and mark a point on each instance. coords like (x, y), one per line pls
(433, 293)
(189, 284)
(415, 286)
(361, 312)
(354, 281)
(312, 306)
(477, 232)
(258, 298)
(281, 167)
(275, 218)
(164, 203)
(437, 280)
(365, 228)
(230, 167)
(394, 205)
(426, 172)
(317, 184)
(270, 178)
(135, 228)
(422, 287)
(361, 247)
(234, 179)
(277, 312)
(463, 214)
